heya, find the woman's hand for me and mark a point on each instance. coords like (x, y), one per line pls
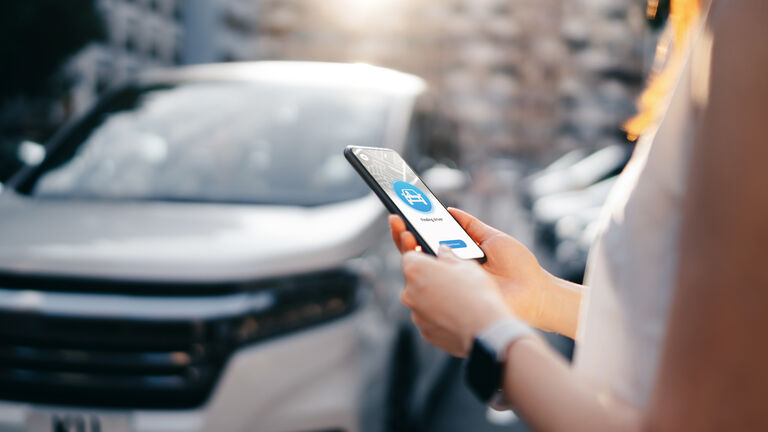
(511, 266)
(452, 299)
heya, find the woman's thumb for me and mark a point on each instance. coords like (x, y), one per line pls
(476, 229)
(446, 253)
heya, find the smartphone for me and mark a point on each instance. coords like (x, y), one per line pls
(403, 193)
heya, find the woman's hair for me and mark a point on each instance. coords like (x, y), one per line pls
(670, 52)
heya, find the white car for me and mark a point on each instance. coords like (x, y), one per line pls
(195, 254)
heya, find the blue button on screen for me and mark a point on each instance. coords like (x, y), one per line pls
(454, 244)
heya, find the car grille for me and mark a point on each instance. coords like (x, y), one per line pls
(136, 362)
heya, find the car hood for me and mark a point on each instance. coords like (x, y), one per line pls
(181, 241)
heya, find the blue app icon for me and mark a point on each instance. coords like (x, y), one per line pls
(413, 196)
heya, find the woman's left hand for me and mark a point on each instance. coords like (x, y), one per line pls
(451, 299)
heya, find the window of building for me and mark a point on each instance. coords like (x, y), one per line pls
(129, 42)
(178, 11)
(178, 55)
(103, 76)
(155, 52)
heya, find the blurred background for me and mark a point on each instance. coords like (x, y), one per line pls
(182, 245)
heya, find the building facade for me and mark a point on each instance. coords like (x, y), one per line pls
(219, 30)
(145, 34)
(139, 34)
(523, 77)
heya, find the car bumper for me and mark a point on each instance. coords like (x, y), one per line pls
(331, 377)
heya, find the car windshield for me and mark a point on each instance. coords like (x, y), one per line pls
(235, 142)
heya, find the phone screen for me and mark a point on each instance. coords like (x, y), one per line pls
(416, 203)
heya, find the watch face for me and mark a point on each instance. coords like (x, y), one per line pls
(483, 373)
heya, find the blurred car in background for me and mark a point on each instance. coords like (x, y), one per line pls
(576, 171)
(565, 200)
(196, 254)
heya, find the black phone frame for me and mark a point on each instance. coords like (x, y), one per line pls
(387, 201)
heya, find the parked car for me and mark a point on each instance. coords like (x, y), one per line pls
(549, 209)
(565, 200)
(573, 172)
(194, 253)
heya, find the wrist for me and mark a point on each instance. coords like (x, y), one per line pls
(495, 310)
(502, 334)
(492, 319)
(560, 304)
(545, 315)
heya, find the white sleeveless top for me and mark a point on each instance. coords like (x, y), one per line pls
(632, 266)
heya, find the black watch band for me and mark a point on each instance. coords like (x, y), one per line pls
(484, 372)
(485, 366)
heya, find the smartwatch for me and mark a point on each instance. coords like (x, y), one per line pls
(485, 367)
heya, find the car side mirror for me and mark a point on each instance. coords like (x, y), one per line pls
(30, 153)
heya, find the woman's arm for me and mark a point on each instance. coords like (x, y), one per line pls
(550, 396)
(560, 307)
(452, 300)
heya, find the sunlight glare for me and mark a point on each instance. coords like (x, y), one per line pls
(358, 15)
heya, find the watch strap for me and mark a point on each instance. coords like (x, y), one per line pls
(500, 335)
(485, 366)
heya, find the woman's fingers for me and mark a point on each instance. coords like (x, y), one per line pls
(397, 226)
(404, 239)
(413, 263)
(420, 270)
(446, 254)
(416, 319)
(426, 328)
(476, 229)
(407, 242)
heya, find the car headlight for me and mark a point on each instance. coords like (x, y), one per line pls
(297, 303)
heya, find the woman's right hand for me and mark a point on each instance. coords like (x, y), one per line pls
(526, 287)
